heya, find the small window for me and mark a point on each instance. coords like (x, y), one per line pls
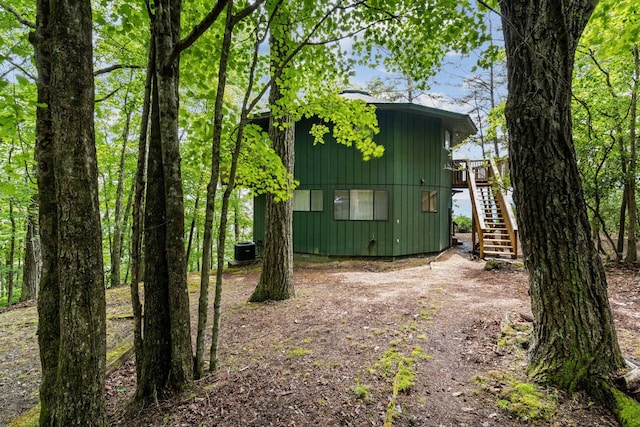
(307, 201)
(429, 200)
(361, 205)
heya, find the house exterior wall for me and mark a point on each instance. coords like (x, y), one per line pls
(413, 152)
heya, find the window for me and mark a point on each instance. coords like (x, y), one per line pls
(429, 201)
(361, 205)
(307, 201)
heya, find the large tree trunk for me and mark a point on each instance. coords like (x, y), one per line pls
(574, 343)
(156, 363)
(168, 360)
(48, 301)
(72, 303)
(167, 34)
(276, 280)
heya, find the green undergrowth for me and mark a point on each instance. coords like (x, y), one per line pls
(397, 364)
(31, 418)
(519, 399)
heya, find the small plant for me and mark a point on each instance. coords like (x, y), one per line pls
(297, 352)
(463, 224)
(361, 392)
(521, 400)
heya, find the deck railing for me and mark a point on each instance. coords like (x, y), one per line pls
(498, 171)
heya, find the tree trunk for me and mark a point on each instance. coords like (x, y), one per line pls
(156, 363)
(276, 280)
(72, 301)
(48, 301)
(207, 240)
(137, 216)
(11, 255)
(632, 247)
(32, 259)
(167, 34)
(168, 359)
(116, 250)
(574, 341)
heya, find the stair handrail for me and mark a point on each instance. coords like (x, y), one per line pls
(505, 207)
(475, 206)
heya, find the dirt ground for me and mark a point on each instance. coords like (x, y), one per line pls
(415, 342)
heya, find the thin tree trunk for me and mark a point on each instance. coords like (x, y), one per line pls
(236, 218)
(622, 219)
(11, 255)
(116, 255)
(632, 247)
(32, 259)
(574, 340)
(192, 227)
(137, 220)
(207, 240)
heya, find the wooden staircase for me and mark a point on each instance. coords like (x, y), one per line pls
(494, 225)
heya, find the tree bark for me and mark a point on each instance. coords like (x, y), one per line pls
(48, 301)
(207, 240)
(137, 216)
(168, 359)
(156, 363)
(574, 340)
(11, 255)
(32, 267)
(167, 34)
(72, 302)
(276, 279)
(116, 249)
(632, 247)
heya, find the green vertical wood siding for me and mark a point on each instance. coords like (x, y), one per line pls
(413, 152)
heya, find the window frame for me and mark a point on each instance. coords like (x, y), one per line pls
(311, 201)
(429, 201)
(377, 206)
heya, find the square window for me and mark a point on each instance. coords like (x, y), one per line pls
(429, 201)
(301, 200)
(307, 200)
(361, 205)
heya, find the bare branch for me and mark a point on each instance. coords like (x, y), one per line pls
(246, 12)
(18, 16)
(25, 72)
(116, 67)
(195, 34)
(109, 95)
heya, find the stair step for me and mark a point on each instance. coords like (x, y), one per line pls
(509, 248)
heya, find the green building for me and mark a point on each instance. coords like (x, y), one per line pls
(392, 206)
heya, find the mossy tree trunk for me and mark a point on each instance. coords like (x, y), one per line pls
(72, 318)
(276, 280)
(574, 343)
